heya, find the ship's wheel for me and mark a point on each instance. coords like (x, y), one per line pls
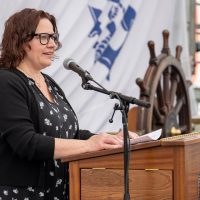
(165, 87)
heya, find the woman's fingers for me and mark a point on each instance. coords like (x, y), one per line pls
(104, 141)
(113, 139)
(132, 135)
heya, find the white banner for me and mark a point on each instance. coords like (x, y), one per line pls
(109, 39)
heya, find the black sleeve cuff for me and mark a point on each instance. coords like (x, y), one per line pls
(45, 148)
(84, 134)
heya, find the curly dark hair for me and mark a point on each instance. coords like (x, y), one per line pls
(19, 29)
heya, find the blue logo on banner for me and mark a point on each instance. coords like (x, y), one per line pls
(111, 31)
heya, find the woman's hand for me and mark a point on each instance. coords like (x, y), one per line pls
(104, 141)
(108, 141)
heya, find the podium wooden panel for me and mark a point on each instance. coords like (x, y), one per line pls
(160, 170)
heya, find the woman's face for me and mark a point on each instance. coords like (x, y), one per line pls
(39, 56)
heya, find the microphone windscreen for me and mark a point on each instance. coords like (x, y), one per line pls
(67, 62)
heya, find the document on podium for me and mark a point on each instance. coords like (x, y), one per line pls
(147, 137)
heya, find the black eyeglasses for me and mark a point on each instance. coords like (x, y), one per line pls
(45, 37)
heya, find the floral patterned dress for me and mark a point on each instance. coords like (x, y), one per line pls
(58, 121)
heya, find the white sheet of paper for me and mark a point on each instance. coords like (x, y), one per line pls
(147, 137)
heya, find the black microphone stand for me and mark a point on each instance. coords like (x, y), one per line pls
(123, 107)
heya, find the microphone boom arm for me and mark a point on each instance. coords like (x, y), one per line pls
(115, 95)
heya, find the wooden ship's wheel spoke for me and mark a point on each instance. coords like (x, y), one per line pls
(157, 114)
(161, 102)
(174, 86)
(165, 87)
(179, 105)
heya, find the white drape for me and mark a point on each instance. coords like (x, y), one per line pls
(124, 39)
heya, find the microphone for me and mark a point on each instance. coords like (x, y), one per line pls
(70, 64)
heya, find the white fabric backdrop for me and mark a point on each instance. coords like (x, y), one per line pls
(118, 44)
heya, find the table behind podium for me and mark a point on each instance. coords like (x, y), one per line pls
(159, 170)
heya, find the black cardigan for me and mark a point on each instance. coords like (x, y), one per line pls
(23, 149)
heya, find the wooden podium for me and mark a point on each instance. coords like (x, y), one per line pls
(159, 170)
